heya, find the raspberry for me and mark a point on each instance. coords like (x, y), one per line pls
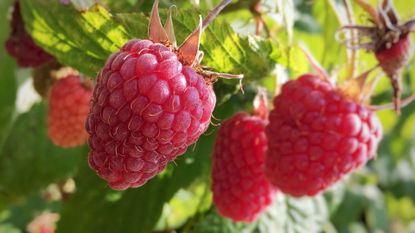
(147, 109)
(151, 101)
(394, 58)
(388, 39)
(69, 104)
(20, 44)
(240, 190)
(316, 136)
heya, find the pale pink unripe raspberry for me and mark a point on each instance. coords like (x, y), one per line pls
(69, 104)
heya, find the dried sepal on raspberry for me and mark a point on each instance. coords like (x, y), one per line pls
(151, 101)
(189, 51)
(240, 189)
(387, 38)
(261, 103)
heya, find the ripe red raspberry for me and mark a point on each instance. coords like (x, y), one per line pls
(20, 44)
(240, 190)
(316, 136)
(147, 109)
(151, 102)
(69, 104)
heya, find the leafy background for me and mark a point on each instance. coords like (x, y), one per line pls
(379, 198)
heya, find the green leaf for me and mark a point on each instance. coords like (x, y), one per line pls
(334, 196)
(23, 212)
(9, 228)
(294, 215)
(186, 203)
(214, 223)
(135, 210)
(29, 160)
(83, 42)
(286, 214)
(224, 50)
(362, 200)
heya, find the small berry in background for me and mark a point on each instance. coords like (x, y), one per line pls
(20, 44)
(69, 104)
(240, 189)
(43, 223)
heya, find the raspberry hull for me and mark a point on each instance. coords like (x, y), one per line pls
(147, 109)
(69, 104)
(240, 189)
(316, 136)
(20, 44)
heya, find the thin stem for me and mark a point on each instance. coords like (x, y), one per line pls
(255, 10)
(240, 5)
(352, 54)
(214, 13)
(409, 26)
(370, 88)
(316, 66)
(223, 75)
(391, 106)
(370, 10)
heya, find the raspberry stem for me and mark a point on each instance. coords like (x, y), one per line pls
(355, 43)
(314, 63)
(214, 13)
(352, 56)
(222, 75)
(391, 106)
(370, 10)
(189, 50)
(409, 26)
